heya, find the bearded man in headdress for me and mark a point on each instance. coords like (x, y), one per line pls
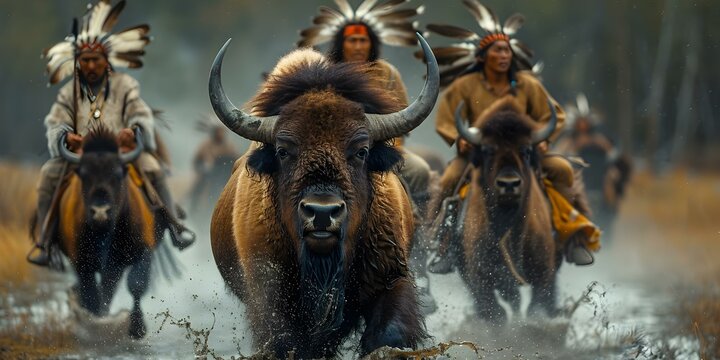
(98, 96)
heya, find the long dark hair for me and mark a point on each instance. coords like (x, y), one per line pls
(335, 52)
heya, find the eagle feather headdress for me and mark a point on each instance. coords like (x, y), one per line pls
(123, 49)
(457, 58)
(392, 25)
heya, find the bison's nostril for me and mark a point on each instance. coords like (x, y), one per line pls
(508, 183)
(323, 213)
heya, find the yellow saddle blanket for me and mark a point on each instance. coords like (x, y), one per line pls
(566, 219)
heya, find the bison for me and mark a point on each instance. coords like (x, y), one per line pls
(106, 225)
(313, 229)
(507, 236)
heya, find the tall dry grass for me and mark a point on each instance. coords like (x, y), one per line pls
(672, 223)
(17, 201)
(27, 331)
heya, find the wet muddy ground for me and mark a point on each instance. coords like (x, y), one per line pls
(625, 307)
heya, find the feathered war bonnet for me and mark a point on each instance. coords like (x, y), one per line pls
(580, 111)
(391, 24)
(460, 58)
(122, 49)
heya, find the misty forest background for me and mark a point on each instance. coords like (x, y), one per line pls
(649, 67)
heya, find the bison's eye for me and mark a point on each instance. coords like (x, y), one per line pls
(362, 154)
(282, 153)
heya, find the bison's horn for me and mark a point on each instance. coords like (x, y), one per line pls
(133, 154)
(388, 126)
(66, 154)
(472, 134)
(248, 126)
(543, 134)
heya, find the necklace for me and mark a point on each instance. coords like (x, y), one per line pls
(97, 102)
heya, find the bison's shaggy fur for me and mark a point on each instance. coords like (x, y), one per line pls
(299, 298)
(507, 241)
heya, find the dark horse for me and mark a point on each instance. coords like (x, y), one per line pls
(106, 225)
(506, 235)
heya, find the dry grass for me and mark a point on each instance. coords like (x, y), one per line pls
(17, 201)
(26, 332)
(674, 219)
(672, 222)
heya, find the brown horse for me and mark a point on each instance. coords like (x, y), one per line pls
(105, 225)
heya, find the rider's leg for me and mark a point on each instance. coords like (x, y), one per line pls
(156, 174)
(416, 173)
(50, 174)
(560, 172)
(446, 255)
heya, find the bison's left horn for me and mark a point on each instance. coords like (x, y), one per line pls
(133, 154)
(543, 134)
(248, 126)
(472, 134)
(388, 126)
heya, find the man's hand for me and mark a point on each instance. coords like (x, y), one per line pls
(543, 147)
(126, 139)
(463, 146)
(74, 141)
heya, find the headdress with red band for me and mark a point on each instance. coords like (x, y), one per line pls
(391, 24)
(122, 49)
(457, 59)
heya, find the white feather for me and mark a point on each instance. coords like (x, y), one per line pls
(364, 8)
(345, 9)
(582, 104)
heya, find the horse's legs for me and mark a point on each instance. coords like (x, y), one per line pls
(87, 291)
(108, 285)
(138, 281)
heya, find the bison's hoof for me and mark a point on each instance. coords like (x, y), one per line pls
(137, 328)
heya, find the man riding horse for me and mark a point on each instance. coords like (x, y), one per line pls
(98, 96)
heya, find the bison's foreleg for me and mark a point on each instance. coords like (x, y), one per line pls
(87, 290)
(138, 281)
(486, 304)
(393, 319)
(108, 285)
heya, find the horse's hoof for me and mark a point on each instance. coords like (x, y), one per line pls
(137, 328)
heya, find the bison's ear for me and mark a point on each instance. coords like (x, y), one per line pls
(262, 160)
(384, 157)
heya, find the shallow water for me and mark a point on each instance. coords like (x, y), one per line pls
(619, 319)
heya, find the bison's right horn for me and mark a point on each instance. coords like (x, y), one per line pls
(248, 126)
(387, 126)
(66, 154)
(472, 134)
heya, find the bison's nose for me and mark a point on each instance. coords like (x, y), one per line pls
(508, 184)
(324, 211)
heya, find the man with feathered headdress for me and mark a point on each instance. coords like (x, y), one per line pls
(478, 71)
(97, 96)
(356, 36)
